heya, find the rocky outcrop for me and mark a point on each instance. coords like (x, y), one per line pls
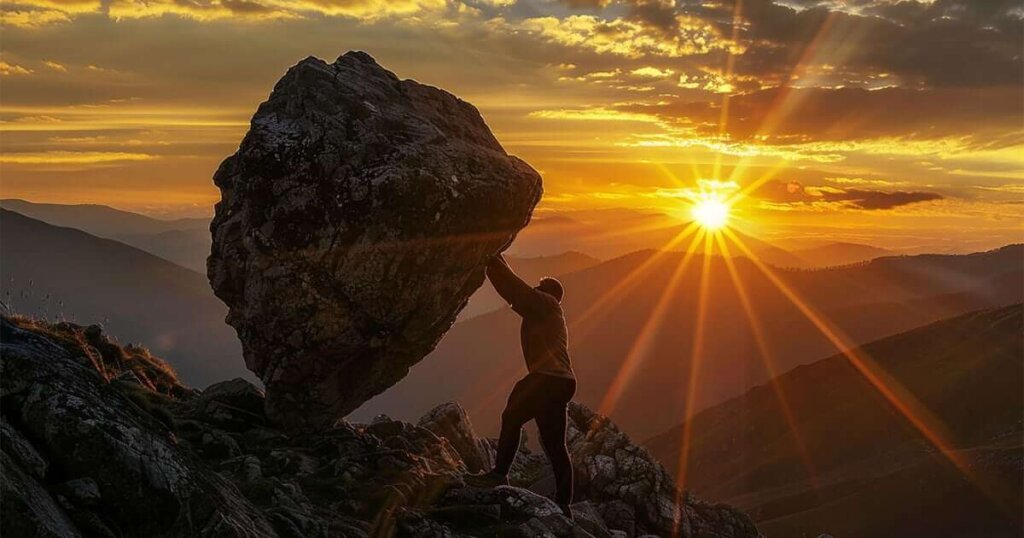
(87, 427)
(451, 422)
(84, 453)
(355, 222)
(633, 491)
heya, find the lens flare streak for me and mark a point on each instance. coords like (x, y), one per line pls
(900, 398)
(642, 343)
(767, 359)
(695, 359)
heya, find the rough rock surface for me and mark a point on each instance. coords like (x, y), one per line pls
(84, 453)
(355, 222)
(451, 422)
(631, 490)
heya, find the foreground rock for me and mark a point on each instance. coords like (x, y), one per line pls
(86, 453)
(355, 221)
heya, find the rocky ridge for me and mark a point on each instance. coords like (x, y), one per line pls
(101, 440)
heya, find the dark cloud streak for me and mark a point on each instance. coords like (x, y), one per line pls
(794, 193)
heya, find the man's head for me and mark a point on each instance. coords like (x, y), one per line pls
(551, 287)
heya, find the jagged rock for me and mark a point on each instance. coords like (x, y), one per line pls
(87, 428)
(21, 451)
(81, 491)
(630, 489)
(237, 393)
(587, 517)
(609, 466)
(114, 470)
(234, 405)
(450, 421)
(355, 222)
(28, 510)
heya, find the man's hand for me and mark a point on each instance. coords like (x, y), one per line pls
(507, 283)
(498, 259)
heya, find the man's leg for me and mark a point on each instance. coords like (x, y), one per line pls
(551, 424)
(518, 411)
(513, 418)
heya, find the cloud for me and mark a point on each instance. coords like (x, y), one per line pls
(72, 157)
(794, 193)
(979, 116)
(8, 69)
(55, 66)
(32, 18)
(593, 114)
(586, 4)
(864, 199)
(951, 43)
(39, 13)
(619, 36)
(651, 72)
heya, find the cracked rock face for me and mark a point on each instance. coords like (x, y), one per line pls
(355, 222)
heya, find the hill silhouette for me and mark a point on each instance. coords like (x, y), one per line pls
(54, 272)
(835, 254)
(608, 233)
(100, 220)
(480, 358)
(873, 474)
(185, 242)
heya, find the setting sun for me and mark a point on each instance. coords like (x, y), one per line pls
(711, 213)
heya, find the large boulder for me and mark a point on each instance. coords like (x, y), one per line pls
(355, 222)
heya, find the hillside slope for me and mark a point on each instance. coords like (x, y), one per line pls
(185, 242)
(480, 358)
(55, 272)
(870, 473)
(100, 220)
(835, 254)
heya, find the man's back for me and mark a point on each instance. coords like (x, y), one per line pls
(544, 337)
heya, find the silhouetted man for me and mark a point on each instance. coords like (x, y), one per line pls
(545, 392)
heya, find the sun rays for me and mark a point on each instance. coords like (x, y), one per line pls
(707, 242)
(710, 233)
(710, 214)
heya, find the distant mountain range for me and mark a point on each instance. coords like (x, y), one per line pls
(143, 298)
(479, 359)
(836, 254)
(608, 233)
(866, 471)
(62, 273)
(560, 244)
(182, 241)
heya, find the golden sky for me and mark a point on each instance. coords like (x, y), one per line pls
(862, 119)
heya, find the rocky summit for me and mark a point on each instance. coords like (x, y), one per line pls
(354, 223)
(102, 440)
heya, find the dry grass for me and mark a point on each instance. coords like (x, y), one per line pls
(108, 357)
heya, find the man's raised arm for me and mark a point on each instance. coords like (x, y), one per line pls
(507, 283)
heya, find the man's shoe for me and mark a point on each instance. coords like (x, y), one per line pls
(489, 479)
(567, 511)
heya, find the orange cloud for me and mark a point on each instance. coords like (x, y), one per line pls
(72, 157)
(8, 69)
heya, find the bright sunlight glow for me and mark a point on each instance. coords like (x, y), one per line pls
(711, 213)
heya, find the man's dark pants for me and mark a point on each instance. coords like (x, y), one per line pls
(542, 398)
